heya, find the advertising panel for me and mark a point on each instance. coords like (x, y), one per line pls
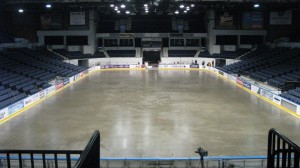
(195, 66)
(232, 78)
(51, 89)
(42, 94)
(277, 99)
(77, 76)
(255, 89)
(31, 99)
(247, 85)
(239, 81)
(266, 94)
(71, 79)
(66, 81)
(15, 107)
(3, 113)
(135, 66)
(59, 85)
(221, 73)
(27, 101)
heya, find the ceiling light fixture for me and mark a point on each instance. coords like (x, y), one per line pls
(256, 5)
(20, 10)
(192, 5)
(127, 12)
(48, 6)
(112, 5)
(176, 12)
(181, 6)
(123, 6)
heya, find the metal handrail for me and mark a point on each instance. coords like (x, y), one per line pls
(91, 154)
(282, 151)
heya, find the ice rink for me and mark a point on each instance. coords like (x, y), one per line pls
(166, 113)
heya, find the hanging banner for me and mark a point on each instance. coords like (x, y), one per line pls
(77, 18)
(226, 19)
(253, 20)
(281, 17)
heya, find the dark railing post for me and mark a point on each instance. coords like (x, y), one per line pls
(282, 148)
(90, 157)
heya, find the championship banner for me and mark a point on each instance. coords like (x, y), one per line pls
(281, 17)
(51, 21)
(253, 20)
(226, 19)
(77, 18)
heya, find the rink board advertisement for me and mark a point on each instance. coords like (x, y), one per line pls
(3, 113)
(15, 107)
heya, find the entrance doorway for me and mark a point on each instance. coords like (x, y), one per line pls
(152, 57)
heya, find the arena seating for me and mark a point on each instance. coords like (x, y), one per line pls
(293, 95)
(182, 53)
(24, 72)
(121, 53)
(277, 66)
(4, 38)
(225, 54)
(78, 54)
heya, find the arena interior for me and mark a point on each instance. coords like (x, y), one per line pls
(149, 83)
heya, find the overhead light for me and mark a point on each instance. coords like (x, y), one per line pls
(146, 11)
(123, 6)
(127, 12)
(118, 11)
(181, 6)
(20, 10)
(145, 5)
(256, 5)
(116, 8)
(192, 5)
(112, 5)
(48, 6)
(185, 11)
(176, 12)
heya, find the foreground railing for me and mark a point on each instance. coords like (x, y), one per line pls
(282, 152)
(91, 154)
(89, 158)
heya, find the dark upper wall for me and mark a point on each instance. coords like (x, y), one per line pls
(152, 24)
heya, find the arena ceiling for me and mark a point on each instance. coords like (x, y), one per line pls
(157, 7)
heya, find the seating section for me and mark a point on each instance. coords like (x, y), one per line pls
(293, 95)
(24, 72)
(121, 53)
(4, 38)
(78, 54)
(277, 67)
(182, 53)
(225, 54)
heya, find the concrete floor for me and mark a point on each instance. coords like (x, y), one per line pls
(151, 114)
